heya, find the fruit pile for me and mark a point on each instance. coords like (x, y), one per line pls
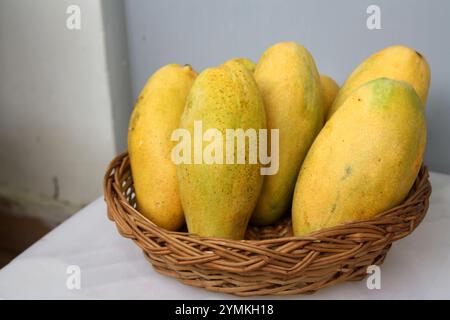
(344, 154)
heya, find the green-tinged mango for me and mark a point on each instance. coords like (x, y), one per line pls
(289, 82)
(330, 90)
(396, 62)
(365, 159)
(157, 113)
(218, 197)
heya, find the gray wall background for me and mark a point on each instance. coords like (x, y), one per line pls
(60, 91)
(206, 33)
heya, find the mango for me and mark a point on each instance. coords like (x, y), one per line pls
(156, 114)
(396, 62)
(218, 197)
(289, 82)
(365, 159)
(330, 90)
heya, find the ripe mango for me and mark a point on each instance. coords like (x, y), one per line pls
(396, 62)
(156, 114)
(330, 90)
(365, 159)
(218, 199)
(289, 82)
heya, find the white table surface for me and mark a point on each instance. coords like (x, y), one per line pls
(112, 267)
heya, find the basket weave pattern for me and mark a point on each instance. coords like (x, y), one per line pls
(270, 261)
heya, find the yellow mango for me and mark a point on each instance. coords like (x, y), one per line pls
(156, 114)
(218, 198)
(396, 62)
(365, 159)
(330, 90)
(289, 82)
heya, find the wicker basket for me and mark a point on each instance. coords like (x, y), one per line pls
(271, 261)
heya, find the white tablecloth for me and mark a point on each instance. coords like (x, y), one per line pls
(112, 267)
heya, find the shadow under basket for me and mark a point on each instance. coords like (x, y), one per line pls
(270, 261)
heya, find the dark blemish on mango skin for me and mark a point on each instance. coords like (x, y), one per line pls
(334, 205)
(347, 172)
(140, 98)
(333, 208)
(134, 120)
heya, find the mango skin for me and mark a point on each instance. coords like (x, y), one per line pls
(289, 82)
(218, 199)
(157, 113)
(365, 159)
(396, 62)
(249, 64)
(330, 90)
